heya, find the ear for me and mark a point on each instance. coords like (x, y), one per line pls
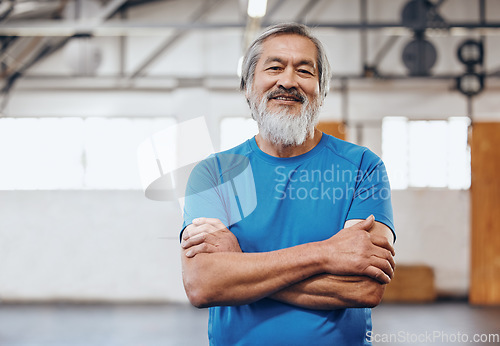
(247, 93)
(247, 96)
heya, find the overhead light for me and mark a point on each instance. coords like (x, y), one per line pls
(257, 8)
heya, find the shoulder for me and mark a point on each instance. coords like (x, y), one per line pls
(232, 162)
(241, 149)
(357, 155)
(218, 165)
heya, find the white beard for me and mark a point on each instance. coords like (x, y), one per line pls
(282, 128)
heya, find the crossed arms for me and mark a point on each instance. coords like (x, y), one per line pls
(349, 269)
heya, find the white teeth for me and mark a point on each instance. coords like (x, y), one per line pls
(285, 98)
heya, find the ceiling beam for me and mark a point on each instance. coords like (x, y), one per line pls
(109, 10)
(201, 12)
(135, 28)
(51, 45)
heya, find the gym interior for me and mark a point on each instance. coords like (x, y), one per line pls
(88, 256)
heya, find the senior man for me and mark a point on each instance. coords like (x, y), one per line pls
(301, 269)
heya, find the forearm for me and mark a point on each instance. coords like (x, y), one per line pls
(235, 278)
(330, 292)
(218, 274)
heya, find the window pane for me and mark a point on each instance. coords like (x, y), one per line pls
(395, 150)
(41, 153)
(234, 131)
(73, 153)
(428, 153)
(111, 150)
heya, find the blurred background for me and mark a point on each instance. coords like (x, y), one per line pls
(87, 259)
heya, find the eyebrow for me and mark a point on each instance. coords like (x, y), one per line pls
(281, 61)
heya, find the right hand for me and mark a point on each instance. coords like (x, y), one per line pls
(354, 251)
(206, 235)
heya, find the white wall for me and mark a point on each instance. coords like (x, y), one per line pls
(433, 228)
(88, 246)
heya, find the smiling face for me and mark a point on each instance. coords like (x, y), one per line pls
(284, 94)
(287, 73)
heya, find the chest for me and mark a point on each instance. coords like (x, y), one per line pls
(296, 205)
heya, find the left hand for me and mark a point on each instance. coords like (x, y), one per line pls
(207, 235)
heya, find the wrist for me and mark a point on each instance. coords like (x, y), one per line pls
(321, 255)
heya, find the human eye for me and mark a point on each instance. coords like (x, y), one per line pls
(306, 71)
(273, 68)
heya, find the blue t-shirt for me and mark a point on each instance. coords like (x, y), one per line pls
(271, 203)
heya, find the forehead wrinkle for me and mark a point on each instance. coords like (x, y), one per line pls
(274, 59)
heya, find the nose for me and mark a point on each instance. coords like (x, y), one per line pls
(287, 79)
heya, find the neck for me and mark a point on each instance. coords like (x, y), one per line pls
(278, 150)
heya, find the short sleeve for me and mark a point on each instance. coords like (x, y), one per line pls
(215, 188)
(372, 194)
(203, 197)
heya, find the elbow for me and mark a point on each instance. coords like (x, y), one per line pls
(373, 295)
(196, 293)
(197, 298)
(196, 288)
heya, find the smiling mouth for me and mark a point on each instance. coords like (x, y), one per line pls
(286, 95)
(286, 98)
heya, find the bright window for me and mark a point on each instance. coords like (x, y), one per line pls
(426, 153)
(73, 153)
(41, 153)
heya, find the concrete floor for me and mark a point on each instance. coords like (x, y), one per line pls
(155, 325)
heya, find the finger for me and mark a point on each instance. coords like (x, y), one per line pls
(365, 224)
(383, 265)
(191, 231)
(201, 248)
(210, 228)
(377, 274)
(199, 221)
(391, 261)
(194, 230)
(386, 255)
(195, 240)
(382, 242)
(187, 231)
(211, 221)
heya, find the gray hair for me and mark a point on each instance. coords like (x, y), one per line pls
(254, 53)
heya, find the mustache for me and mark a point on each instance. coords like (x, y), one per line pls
(281, 91)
